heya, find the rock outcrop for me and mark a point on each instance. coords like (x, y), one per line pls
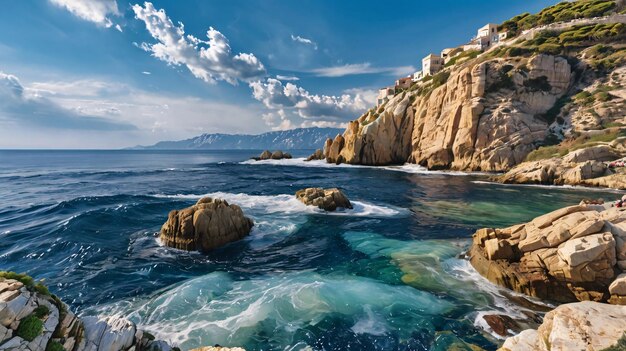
(33, 320)
(208, 224)
(276, 155)
(586, 166)
(588, 326)
(317, 155)
(572, 254)
(325, 199)
(486, 116)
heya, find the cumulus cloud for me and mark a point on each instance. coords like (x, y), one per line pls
(210, 60)
(18, 106)
(302, 40)
(274, 95)
(361, 68)
(96, 11)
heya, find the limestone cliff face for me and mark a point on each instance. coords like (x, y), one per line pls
(376, 139)
(487, 116)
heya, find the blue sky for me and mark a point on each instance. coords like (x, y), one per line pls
(108, 74)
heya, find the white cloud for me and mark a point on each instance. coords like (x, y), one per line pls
(361, 68)
(146, 73)
(26, 107)
(156, 116)
(274, 95)
(209, 60)
(367, 94)
(287, 78)
(97, 11)
(302, 40)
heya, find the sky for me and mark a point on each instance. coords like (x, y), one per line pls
(111, 74)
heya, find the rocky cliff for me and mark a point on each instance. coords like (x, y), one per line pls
(490, 112)
(484, 117)
(31, 319)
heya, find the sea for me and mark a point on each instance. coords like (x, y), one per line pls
(387, 275)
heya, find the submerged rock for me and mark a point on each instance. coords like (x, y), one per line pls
(575, 326)
(326, 199)
(501, 324)
(572, 254)
(33, 320)
(208, 224)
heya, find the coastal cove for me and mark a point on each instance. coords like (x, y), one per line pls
(385, 276)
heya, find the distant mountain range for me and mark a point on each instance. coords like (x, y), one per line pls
(299, 138)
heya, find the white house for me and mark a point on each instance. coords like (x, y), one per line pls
(487, 36)
(417, 76)
(384, 94)
(432, 64)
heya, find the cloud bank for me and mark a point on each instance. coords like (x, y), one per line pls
(18, 106)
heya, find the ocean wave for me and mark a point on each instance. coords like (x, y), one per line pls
(288, 204)
(215, 308)
(406, 168)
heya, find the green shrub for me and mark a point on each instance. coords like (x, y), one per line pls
(29, 328)
(21, 277)
(544, 152)
(561, 12)
(465, 55)
(54, 346)
(41, 311)
(504, 80)
(440, 79)
(551, 115)
(603, 96)
(549, 48)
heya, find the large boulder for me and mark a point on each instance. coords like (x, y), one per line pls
(265, 155)
(22, 304)
(317, 155)
(326, 199)
(571, 254)
(208, 224)
(585, 326)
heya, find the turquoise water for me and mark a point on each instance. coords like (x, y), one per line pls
(385, 276)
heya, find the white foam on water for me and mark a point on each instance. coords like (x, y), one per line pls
(288, 204)
(432, 265)
(406, 168)
(215, 308)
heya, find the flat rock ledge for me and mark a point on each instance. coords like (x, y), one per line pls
(276, 155)
(207, 225)
(586, 167)
(325, 199)
(587, 326)
(576, 253)
(31, 320)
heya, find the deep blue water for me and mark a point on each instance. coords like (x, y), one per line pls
(382, 277)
